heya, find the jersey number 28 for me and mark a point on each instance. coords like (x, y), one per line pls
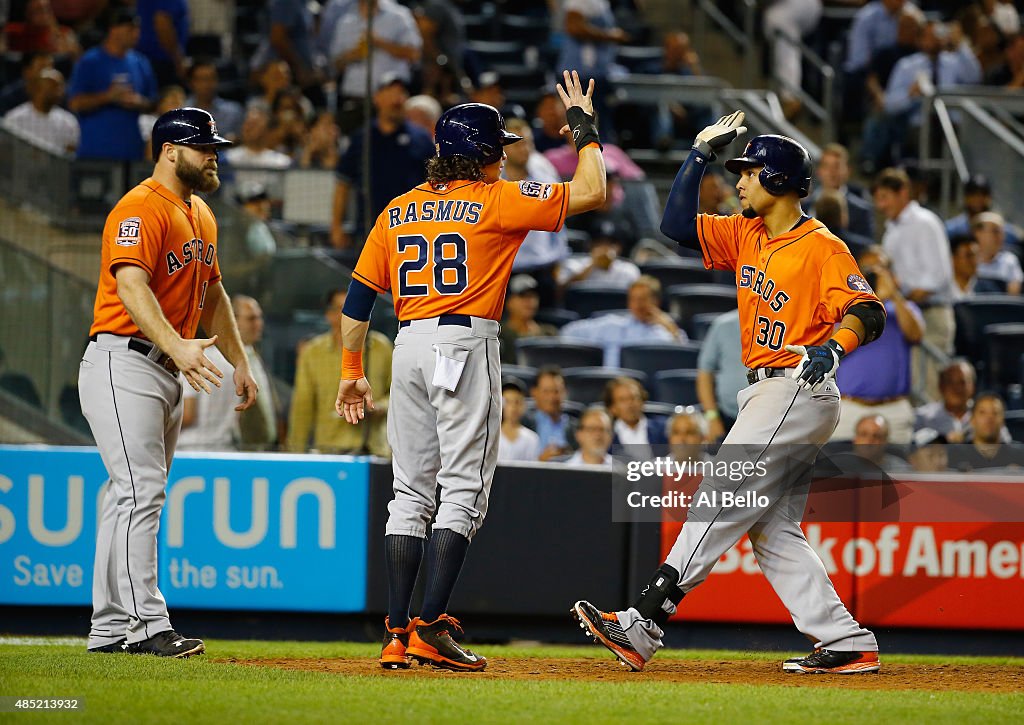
(451, 275)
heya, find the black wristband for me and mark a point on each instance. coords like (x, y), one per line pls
(583, 127)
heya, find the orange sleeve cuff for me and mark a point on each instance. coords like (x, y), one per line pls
(847, 339)
(351, 364)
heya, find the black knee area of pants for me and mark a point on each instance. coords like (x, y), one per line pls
(663, 587)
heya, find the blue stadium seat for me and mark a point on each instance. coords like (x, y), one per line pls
(540, 351)
(671, 271)
(1004, 346)
(652, 358)
(678, 387)
(1015, 424)
(525, 373)
(555, 316)
(687, 300)
(701, 322)
(586, 384)
(974, 314)
(585, 299)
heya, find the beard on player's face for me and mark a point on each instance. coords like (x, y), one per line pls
(197, 177)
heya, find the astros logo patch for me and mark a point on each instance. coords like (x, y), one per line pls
(858, 283)
(128, 232)
(535, 189)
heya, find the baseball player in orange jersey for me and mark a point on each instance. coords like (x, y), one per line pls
(445, 251)
(159, 279)
(803, 305)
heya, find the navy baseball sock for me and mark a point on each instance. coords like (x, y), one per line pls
(403, 555)
(445, 554)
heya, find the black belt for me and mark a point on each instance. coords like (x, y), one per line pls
(145, 348)
(753, 374)
(461, 320)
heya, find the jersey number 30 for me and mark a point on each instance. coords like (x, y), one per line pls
(770, 334)
(451, 275)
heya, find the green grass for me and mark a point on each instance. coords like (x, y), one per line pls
(151, 690)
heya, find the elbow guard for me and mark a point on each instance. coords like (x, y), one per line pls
(872, 316)
(359, 301)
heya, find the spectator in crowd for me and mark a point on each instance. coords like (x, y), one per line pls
(716, 196)
(397, 146)
(209, 422)
(322, 147)
(965, 266)
(589, 46)
(978, 198)
(16, 92)
(944, 59)
(674, 123)
(875, 379)
(870, 443)
(880, 68)
(423, 111)
(793, 19)
(521, 304)
(169, 98)
(253, 160)
(915, 240)
(397, 47)
(548, 121)
(259, 240)
(1009, 73)
(290, 39)
(594, 436)
(686, 436)
(312, 412)
(490, 91)
(203, 80)
(40, 120)
(517, 442)
(273, 78)
(624, 400)
(111, 85)
(163, 37)
(834, 175)
(928, 452)
(40, 32)
(951, 414)
(331, 13)
(875, 26)
(1003, 14)
(549, 420)
(831, 210)
(541, 252)
(989, 446)
(443, 31)
(644, 321)
(996, 264)
(603, 266)
(288, 124)
(564, 158)
(721, 374)
(258, 425)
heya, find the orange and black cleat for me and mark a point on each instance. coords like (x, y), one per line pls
(830, 662)
(430, 643)
(393, 653)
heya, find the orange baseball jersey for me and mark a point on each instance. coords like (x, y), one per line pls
(791, 290)
(449, 250)
(151, 227)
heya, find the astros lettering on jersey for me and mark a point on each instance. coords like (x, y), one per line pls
(791, 289)
(151, 227)
(446, 249)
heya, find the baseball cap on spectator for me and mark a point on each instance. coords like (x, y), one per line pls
(389, 79)
(978, 184)
(251, 191)
(988, 217)
(510, 382)
(521, 284)
(610, 229)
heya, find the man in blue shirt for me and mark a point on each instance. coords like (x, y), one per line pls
(110, 86)
(399, 151)
(163, 26)
(721, 374)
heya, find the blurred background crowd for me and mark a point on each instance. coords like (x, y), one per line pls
(611, 335)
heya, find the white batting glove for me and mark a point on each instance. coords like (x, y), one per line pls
(720, 134)
(818, 364)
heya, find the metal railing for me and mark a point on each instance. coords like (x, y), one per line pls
(743, 37)
(825, 110)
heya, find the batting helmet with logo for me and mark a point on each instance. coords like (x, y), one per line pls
(474, 130)
(187, 127)
(787, 167)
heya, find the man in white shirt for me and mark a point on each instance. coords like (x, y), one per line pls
(517, 442)
(994, 262)
(253, 158)
(594, 436)
(624, 400)
(915, 240)
(603, 266)
(39, 120)
(210, 422)
(258, 425)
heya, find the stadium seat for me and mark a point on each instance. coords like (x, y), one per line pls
(540, 351)
(678, 387)
(525, 373)
(973, 315)
(687, 300)
(652, 358)
(491, 53)
(555, 316)
(638, 58)
(585, 299)
(586, 384)
(1015, 424)
(701, 322)
(643, 206)
(671, 271)
(524, 29)
(1004, 345)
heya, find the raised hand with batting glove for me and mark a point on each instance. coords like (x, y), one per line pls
(818, 365)
(720, 134)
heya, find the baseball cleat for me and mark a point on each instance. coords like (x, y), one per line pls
(168, 644)
(826, 661)
(604, 628)
(392, 654)
(112, 648)
(432, 644)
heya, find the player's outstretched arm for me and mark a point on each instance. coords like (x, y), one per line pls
(588, 187)
(354, 394)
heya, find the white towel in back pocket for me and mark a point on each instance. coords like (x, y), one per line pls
(449, 362)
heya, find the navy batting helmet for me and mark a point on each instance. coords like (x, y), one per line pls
(187, 127)
(787, 167)
(474, 130)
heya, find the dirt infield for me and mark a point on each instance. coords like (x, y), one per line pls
(967, 678)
